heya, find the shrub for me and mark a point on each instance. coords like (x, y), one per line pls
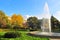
(16, 27)
(11, 35)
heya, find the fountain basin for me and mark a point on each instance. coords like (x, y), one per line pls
(45, 34)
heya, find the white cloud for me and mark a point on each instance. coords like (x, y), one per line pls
(27, 16)
(39, 16)
(57, 15)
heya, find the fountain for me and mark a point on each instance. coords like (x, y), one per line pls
(46, 25)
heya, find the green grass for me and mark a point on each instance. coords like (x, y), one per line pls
(23, 37)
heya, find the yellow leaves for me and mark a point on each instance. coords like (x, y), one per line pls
(4, 30)
(18, 19)
(1, 30)
(14, 19)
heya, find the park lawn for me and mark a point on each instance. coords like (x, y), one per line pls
(23, 36)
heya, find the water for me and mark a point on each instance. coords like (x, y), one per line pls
(46, 24)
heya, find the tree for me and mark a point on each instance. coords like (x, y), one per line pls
(33, 23)
(25, 25)
(3, 19)
(55, 24)
(39, 24)
(17, 20)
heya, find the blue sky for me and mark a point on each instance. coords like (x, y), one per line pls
(30, 7)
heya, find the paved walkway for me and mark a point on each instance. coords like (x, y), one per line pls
(54, 38)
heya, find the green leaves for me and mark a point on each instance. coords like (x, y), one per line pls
(33, 23)
(55, 24)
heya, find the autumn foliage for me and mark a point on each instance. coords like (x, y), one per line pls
(12, 21)
(17, 20)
